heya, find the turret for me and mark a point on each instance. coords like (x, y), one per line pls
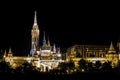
(112, 56)
(111, 49)
(10, 53)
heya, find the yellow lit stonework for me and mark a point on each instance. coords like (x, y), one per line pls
(93, 53)
(44, 57)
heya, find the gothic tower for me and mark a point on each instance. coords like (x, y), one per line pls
(34, 35)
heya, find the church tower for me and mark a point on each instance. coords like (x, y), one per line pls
(112, 56)
(34, 35)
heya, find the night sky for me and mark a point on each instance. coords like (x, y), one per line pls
(65, 23)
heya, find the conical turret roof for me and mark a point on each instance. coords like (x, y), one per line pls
(111, 49)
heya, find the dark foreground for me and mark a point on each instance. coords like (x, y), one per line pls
(75, 76)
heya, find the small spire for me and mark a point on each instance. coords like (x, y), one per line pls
(111, 49)
(58, 53)
(48, 42)
(10, 51)
(54, 48)
(44, 40)
(5, 53)
(59, 50)
(35, 18)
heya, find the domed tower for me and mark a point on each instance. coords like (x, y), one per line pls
(34, 35)
(112, 55)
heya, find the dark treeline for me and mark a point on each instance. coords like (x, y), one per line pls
(63, 72)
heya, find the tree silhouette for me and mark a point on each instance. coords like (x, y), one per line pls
(4, 66)
(90, 67)
(70, 66)
(98, 65)
(107, 66)
(25, 68)
(82, 65)
(62, 66)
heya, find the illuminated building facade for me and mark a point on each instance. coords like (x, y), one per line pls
(44, 57)
(93, 53)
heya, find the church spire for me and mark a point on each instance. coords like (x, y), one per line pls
(35, 19)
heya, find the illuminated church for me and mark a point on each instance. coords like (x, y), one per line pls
(46, 51)
(44, 57)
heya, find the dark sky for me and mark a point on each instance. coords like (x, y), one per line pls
(65, 23)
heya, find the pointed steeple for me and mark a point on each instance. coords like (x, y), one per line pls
(5, 54)
(111, 49)
(44, 39)
(10, 54)
(48, 42)
(10, 51)
(54, 49)
(35, 19)
(58, 50)
(58, 53)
